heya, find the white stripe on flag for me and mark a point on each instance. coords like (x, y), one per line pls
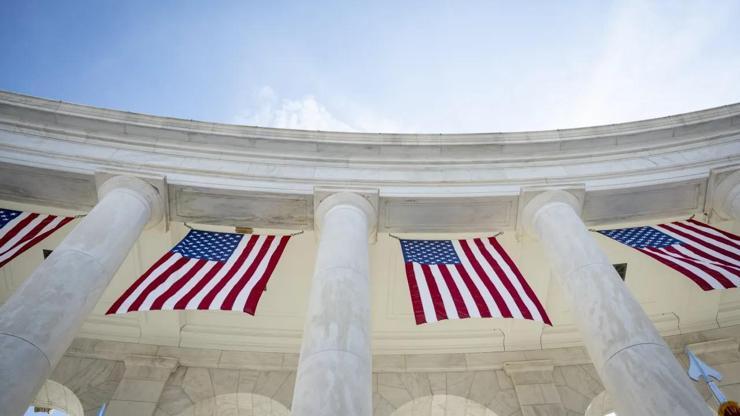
(464, 292)
(733, 277)
(145, 284)
(22, 233)
(170, 303)
(50, 226)
(693, 269)
(444, 291)
(508, 299)
(12, 223)
(174, 277)
(514, 280)
(710, 230)
(218, 300)
(426, 297)
(195, 301)
(694, 230)
(482, 289)
(699, 246)
(241, 298)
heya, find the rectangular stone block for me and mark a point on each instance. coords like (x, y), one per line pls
(129, 408)
(139, 390)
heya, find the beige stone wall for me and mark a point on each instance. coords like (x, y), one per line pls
(554, 382)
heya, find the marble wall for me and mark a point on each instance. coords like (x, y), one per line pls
(555, 382)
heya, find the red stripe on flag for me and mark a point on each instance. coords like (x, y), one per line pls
(205, 303)
(117, 304)
(439, 305)
(35, 230)
(259, 288)
(729, 235)
(699, 265)
(36, 240)
(504, 279)
(474, 292)
(711, 238)
(17, 229)
(708, 257)
(500, 303)
(193, 292)
(415, 295)
(698, 280)
(177, 285)
(228, 302)
(156, 282)
(698, 241)
(462, 310)
(527, 289)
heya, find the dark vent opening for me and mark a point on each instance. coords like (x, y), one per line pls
(47, 253)
(621, 269)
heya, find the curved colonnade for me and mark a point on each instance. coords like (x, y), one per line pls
(136, 171)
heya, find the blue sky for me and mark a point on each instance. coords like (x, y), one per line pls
(413, 66)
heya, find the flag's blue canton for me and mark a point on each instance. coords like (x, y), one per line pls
(641, 237)
(7, 215)
(429, 252)
(208, 245)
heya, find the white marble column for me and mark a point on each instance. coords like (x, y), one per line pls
(726, 197)
(335, 369)
(40, 320)
(638, 369)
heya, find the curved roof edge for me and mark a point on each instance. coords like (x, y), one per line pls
(146, 120)
(52, 153)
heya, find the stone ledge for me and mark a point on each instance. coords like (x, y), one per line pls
(713, 340)
(718, 345)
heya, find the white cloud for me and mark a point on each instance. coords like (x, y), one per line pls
(269, 109)
(305, 113)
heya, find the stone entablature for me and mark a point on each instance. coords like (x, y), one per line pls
(265, 178)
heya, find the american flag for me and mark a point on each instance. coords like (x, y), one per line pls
(206, 270)
(20, 231)
(708, 256)
(457, 279)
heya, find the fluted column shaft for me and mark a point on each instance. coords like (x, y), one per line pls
(638, 369)
(335, 369)
(40, 320)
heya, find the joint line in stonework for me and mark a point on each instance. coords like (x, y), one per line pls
(391, 235)
(277, 235)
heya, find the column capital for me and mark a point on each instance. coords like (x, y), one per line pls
(144, 191)
(533, 201)
(364, 201)
(726, 195)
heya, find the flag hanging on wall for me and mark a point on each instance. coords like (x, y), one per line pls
(20, 231)
(708, 256)
(206, 270)
(457, 279)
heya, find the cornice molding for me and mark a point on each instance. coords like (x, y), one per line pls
(115, 117)
(273, 172)
(720, 340)
(132, 131)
